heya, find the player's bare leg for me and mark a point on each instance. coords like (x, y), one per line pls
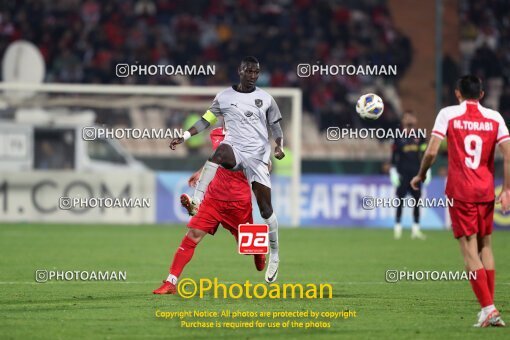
(181, 258)
(263, 196)
(489, 314)
(224, 156)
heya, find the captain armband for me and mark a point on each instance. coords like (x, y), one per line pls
(210, 117)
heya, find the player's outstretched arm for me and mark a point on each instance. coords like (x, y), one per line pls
(504, 196)
(278, 150)
(276, 131)
(274, 116)
(207, 120)
(428, 159)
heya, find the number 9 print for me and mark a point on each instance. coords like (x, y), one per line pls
(473, 147)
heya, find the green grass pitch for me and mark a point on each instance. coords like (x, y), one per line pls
(354, 260)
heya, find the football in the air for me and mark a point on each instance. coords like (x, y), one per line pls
(370, 106)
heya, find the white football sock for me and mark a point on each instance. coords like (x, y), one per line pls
(415, 228)
(206, 176)
(172, 279)
(397, 231)
(397, 227)
(272, 222)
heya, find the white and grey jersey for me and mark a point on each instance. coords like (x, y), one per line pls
(246, 117)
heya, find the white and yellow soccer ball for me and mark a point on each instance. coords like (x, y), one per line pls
(370, 106)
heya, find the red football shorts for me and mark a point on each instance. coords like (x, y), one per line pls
(471, 218)
(229, 213)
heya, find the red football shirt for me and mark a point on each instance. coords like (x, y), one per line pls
(473, 132)
(227, 185)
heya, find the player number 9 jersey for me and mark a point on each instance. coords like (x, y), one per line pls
(473, 132)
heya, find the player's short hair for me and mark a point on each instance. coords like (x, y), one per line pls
(249, 59)
(470, 86)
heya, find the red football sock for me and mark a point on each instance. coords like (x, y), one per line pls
(481, 288)
(182, 256)
(491, 280)
(235, 234)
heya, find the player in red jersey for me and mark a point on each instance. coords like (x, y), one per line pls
(473, 132)
(227, 201)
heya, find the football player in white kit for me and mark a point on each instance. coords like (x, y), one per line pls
(247, 112)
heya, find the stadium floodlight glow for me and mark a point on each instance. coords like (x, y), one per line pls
(294, 94)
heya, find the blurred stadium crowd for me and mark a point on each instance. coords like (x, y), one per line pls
(83, 40)
(485, 50)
